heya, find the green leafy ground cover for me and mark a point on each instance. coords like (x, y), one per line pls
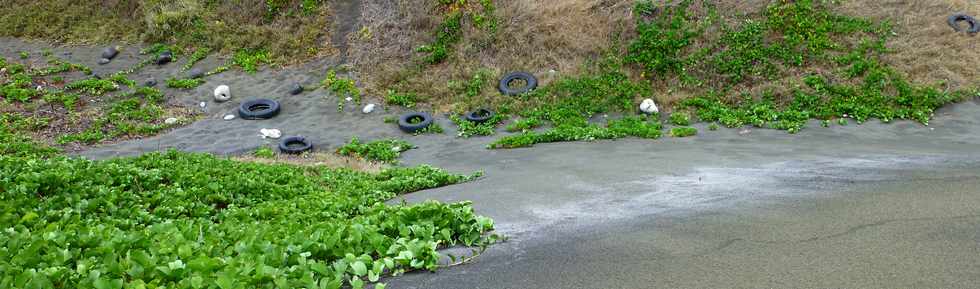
(179, 220)
(386, 150)
(87, 111)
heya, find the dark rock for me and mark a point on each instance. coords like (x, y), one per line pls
(110, 53)
(150, 82)
(195, 73)
(296, 89)
(96, 76)
(103, 61)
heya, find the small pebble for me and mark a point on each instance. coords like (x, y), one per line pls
(296, 89)
(368, 108)
(170, 121)
(103, 61)
(203, 104)
(229, 117)
(349, 99)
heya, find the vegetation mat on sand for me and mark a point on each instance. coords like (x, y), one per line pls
(179, 220)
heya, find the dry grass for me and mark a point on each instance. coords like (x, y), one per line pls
(926, 48)
(319, 159)
(537, 36)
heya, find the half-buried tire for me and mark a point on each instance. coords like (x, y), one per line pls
(971, 23)
(530, 83)
(414, 122)
(258, 109)
(295, 145)
(479, 116)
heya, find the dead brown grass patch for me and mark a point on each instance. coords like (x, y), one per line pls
(318, 159)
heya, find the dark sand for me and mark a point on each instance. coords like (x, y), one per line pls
(858, 206)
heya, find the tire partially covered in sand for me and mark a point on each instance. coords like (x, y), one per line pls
(971, 23)
(259, 109)
(479, 116)
(295, 145)
(414, 122)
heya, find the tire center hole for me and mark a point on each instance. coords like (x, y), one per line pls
(259, 107)
(481, 113)
(517, 83)
(295, 144)
(415, 120)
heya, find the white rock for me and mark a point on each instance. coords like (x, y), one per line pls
(170, 121)
(203, 104)
(270, 133)
(39, 88)
(649, 107)
(348, 99)
(368, 108)
(222, 93)
(229, 117)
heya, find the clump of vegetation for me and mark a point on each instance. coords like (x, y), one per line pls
(93, 86)
(450, 32)
(137, 114)
(683, 131)
(196, 57)
(636, 126)
(680, 118)
(404, 99)
(466, 129)
(201, 221)
(342, 88)
(265, 153)
(386, 150)
(186, 83)
(250, 59)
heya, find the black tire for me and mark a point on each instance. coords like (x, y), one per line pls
(165, 57)
(406, 123)
(479, 116)
(258, 109)
(295, 145)
(972, 26)
(531, 81)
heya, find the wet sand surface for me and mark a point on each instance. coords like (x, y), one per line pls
(859, 206)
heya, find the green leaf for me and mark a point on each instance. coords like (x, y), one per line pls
(359, 268)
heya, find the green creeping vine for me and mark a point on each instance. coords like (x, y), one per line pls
(250, 59)
(467, 129)
(635, 126)
(342, 88)
(180, 220)
(387, 150)
(186, 83)
(136, 114)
